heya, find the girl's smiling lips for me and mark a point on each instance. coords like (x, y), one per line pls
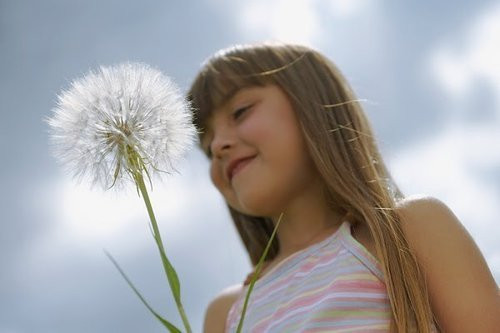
(236, 165)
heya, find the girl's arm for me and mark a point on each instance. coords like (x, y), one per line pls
(462, 290)
(218, 309)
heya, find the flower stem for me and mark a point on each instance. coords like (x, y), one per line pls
(256, 274)
(172, 278)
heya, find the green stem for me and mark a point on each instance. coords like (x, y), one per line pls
(169, 271)
(256, 274)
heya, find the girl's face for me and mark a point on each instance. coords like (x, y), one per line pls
(259, 160)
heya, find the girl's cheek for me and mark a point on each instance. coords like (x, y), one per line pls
(216, 175)
(254, 129)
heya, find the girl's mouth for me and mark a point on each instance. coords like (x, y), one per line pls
(238, 165)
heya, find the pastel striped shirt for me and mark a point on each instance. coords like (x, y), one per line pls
(335, 285)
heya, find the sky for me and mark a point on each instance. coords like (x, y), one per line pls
(430, 74)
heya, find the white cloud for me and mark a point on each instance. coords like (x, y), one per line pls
(452, 166)
(297, 21)
(90, 218)
(462, 163)
(86, 214)
(284, 20)
(347, 8)
(458, 68)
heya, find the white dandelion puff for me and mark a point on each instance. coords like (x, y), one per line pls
(118, 120)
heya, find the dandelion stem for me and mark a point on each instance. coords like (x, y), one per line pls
(172, 278)
(256, 274)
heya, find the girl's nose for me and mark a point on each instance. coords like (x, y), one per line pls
(222, 143)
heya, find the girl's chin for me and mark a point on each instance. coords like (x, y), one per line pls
(260, 199)
(254, 207)
(245, 209)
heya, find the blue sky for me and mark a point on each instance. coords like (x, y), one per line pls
(429, 72)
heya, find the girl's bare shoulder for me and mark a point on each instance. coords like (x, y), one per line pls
(425, 220)
(417, 213)
(429, 225)
(218, 309)
(461, 288)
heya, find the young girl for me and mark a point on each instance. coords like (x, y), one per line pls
(285, 134)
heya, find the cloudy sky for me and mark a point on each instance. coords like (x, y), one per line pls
(429, 72)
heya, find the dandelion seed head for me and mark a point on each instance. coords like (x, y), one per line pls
(109, 115)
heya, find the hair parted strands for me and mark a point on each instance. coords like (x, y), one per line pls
(343, 148)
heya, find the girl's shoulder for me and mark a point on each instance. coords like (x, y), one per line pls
(429, 226)
(218, 309)
(419, 215)
(425, 219)
(418, 211)
(461, 288)
(419, 202)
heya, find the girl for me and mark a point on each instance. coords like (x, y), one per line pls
(285, 134)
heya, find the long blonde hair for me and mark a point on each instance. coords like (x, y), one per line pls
(342, 146)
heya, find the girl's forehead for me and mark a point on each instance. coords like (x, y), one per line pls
(234, 93)
(226, 101)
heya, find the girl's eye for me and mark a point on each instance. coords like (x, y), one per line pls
(239, 112)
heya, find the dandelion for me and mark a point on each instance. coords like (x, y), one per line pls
(109, 117)
(124, 123)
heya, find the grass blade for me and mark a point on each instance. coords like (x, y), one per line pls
(165, 322)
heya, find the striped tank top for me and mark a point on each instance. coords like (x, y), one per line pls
(335, 285)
